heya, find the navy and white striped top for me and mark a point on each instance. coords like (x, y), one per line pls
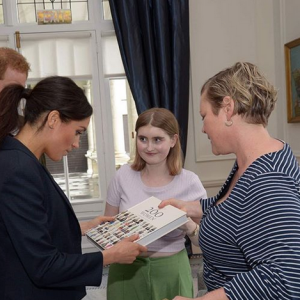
(251, 241)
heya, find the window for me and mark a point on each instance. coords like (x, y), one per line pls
(123, 108)
(68, 54)
(27, 9)
(64, 54)
(119, 117)
(124, 118)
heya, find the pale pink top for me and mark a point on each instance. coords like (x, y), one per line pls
(127, 189)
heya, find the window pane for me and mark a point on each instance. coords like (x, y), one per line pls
(106, 10)
(67, 54)
(112, 62)
(124, 116)
(27, 9)
(1, 13)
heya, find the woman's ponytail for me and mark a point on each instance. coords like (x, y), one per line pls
(10, 98)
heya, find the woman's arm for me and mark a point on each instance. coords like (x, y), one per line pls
(193, 232)
(191, 229)
(111, 210)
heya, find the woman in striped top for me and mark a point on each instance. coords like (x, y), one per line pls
(250, 231)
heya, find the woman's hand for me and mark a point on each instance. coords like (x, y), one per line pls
(192, 208)
(87, 225)
(174, 202)
(124, 252)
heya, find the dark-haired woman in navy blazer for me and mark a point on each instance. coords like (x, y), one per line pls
(40, 237)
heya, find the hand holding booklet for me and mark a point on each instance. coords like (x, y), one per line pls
(145, 219)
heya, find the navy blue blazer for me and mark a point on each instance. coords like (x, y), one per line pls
(40, 237)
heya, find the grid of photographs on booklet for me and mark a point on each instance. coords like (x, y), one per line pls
(126, 224)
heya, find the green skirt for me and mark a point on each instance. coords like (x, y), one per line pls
(151, 278)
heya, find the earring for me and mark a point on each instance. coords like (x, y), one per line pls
(229, 123)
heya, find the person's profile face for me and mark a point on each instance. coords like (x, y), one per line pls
(12, 76)
(64, 137)
(213, 125)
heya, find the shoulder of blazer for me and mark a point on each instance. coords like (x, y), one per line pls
(10, 143)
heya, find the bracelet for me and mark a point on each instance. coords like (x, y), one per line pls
(195, 232)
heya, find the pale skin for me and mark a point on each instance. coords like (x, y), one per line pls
(153, 145)
(57, 139)
(12, 76)
(247, 141)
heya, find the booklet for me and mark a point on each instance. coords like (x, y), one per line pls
(145, 218)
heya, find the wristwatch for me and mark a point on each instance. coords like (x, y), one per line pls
(195, 232)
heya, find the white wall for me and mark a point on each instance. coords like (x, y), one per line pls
(223, 32)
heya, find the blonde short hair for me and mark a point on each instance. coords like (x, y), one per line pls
(253, 94)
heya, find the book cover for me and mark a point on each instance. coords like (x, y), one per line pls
(145, 218)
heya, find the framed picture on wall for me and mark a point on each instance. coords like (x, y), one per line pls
(292, 68)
